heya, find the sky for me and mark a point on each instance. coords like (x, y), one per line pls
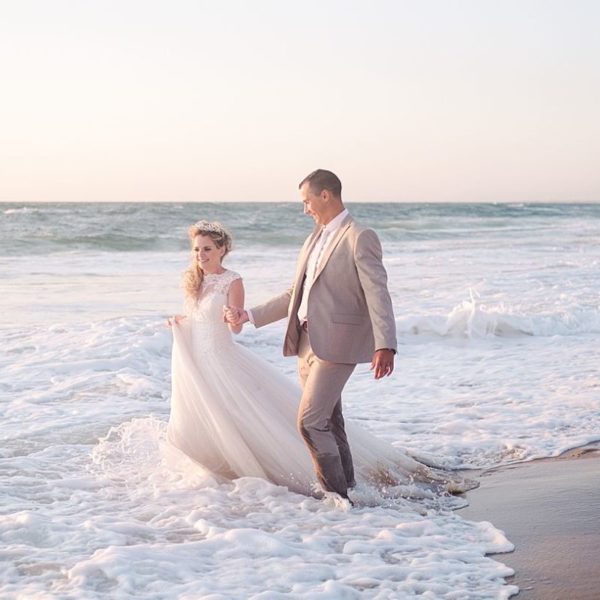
(223, 100)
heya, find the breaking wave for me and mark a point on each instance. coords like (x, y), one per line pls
(472, 319)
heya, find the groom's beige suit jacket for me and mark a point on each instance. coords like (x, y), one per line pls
(350, 311)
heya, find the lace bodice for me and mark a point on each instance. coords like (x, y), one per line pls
(208, 306)
(210, 334)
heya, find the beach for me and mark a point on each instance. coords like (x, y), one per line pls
(460, 137)
(498, 326)
(548, 508)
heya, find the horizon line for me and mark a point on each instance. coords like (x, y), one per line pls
(492, 202)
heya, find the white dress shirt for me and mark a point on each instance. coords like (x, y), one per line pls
(327, 234)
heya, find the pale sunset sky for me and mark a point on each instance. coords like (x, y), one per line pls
(222, 100)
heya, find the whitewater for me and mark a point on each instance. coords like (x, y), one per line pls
(498, 318)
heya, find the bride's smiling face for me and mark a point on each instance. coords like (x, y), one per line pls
(207, 254)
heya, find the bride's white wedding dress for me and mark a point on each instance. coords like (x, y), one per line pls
(235, 414)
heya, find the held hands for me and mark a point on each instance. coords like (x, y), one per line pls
(234, 316)
(383, 363)
(175, 320)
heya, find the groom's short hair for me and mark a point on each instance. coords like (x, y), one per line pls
(320, 180)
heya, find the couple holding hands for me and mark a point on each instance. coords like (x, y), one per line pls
(238, 416)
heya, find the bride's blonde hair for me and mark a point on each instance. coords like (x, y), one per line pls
(194, 275)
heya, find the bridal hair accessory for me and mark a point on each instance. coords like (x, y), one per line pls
(222, 237)
(210, 227)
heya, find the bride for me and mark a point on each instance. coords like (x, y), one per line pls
(235, 414)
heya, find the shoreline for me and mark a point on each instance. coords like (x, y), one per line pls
(549, 509)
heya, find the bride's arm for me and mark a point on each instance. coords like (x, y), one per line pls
(235, 299)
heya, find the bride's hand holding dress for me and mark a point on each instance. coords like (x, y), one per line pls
(175, 320)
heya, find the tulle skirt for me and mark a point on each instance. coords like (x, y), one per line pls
(235, 414)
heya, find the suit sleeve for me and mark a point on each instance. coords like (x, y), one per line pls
(272, 310)
(373, 279)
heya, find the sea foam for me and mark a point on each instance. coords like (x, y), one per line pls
(497, 320)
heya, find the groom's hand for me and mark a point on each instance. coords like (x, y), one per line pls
(382, 363)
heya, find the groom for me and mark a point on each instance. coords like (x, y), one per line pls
(339, 314)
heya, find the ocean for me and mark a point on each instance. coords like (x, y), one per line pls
(498, 317)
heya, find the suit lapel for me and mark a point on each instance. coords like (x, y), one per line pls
(303, 260)
(339, 234)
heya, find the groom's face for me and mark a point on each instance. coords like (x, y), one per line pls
(314, 204)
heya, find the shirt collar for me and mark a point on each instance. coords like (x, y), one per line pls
(335, 223)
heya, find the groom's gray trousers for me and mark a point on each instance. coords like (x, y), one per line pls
(320, 419)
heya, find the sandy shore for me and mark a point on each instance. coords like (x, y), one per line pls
(550, 510)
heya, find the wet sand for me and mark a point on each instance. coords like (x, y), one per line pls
(550, 510)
